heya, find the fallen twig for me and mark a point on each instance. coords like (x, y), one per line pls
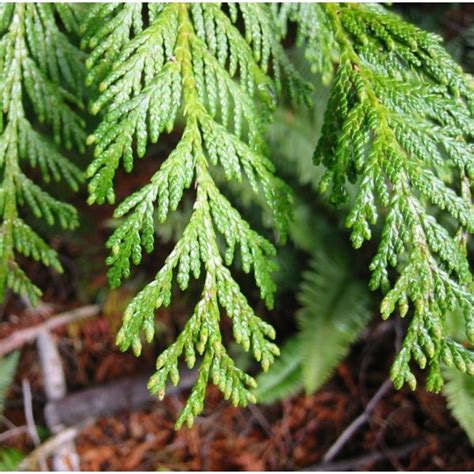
(50, 446)
(105, 400)
(12, 432)
(347, 434)
(28, 407)
(30, 420)
(355, 463)
(51, 365)
(64, 457)
(21, 337)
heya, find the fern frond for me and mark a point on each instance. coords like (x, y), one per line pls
(8, 365)
(293, 135)
(459, 387)
(10, 459)
(334, 311)
(39, 66)
(285, 377)
(399, 124)
(190, 61)
(459, 393)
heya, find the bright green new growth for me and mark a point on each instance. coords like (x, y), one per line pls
(399, 124)
(191, 64)
(40, 83)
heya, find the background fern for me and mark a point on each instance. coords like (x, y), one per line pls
(10, 459)
(334, 310)
(325, 331)
(459, 392)
(8, 366)
(459, 387)
(285, 378)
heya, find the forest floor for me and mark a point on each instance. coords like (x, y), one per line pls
(405, 431)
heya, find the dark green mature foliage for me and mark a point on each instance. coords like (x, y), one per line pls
(40, 83)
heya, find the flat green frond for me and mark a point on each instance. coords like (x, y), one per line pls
(107, 29)
(285, 377)
(8, 365)
(10, 459)
(50, 50)
(50, 103)
(71, 15)
(41, 153)
(41, 75)
(459, 392)
(30, 244)
(262, 34)
(43, 205)
(399, 125)
(334, 311)
(191, 65)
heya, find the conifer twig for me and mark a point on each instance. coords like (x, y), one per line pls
(193, 61)
(41, 75)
